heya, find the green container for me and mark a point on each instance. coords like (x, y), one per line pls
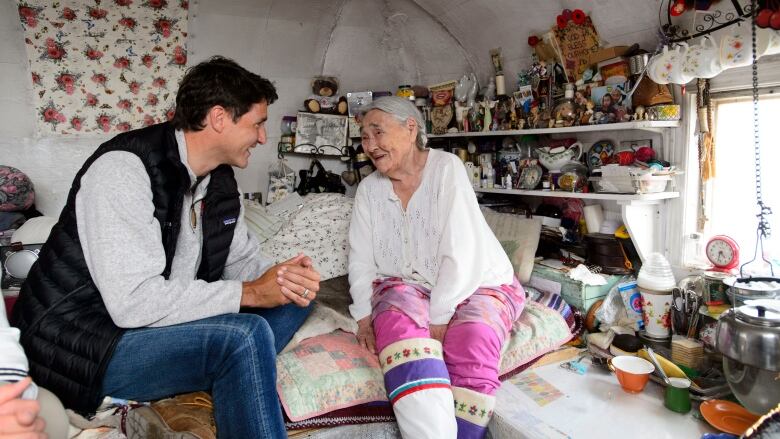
(574, 292)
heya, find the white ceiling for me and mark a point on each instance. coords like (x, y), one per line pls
(368, 43)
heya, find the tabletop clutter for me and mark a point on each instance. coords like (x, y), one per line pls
(708, 349)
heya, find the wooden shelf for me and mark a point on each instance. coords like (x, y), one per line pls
(586, 196)
(644, 125)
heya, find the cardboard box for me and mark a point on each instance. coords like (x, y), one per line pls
(607, 53)
(614, 71)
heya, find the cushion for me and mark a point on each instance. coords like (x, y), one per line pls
(16, 190)
(261, 222)
(519, 237)
(320, 230)
(331, 372)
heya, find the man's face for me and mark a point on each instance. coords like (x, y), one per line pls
(241, 136)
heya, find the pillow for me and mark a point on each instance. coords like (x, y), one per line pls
(331, 372)
(320, 230)
(519, 237)
(326, 373)
(260, 222)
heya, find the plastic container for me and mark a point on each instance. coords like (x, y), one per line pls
(656, 275)
(644, 184)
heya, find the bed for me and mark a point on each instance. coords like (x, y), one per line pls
(329, 386)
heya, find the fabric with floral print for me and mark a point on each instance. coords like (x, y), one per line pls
(104, 66)
(319, 229)
(472, 406)
(16, 190)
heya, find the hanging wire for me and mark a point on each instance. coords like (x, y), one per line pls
(763, 230)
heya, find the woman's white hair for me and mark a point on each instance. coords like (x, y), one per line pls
(402, 109)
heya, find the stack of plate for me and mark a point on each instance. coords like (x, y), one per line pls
(687, 352)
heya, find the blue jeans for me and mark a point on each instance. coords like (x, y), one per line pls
(233, 356)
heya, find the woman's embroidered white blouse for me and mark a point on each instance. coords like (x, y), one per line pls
(441, 241)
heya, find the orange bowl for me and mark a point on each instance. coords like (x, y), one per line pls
(632, 372)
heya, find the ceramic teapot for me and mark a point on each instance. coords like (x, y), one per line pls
(554, 158)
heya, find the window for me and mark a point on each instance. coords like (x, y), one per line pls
(731, 195)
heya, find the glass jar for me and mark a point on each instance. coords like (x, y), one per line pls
(405, 91)
(289, 124)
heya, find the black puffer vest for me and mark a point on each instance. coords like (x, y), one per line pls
(67, 333)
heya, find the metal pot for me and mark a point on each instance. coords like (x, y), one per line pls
(749, 339)
(741, 289)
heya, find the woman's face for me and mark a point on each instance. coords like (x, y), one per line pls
(388, 142)
(606, 101)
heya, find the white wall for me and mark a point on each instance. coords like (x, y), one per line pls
(367, 44)
(360, 42)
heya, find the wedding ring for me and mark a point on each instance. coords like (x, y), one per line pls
(305, 293)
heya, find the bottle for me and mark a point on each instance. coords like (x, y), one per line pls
(405, 91)
(565, 112)
(491, 177)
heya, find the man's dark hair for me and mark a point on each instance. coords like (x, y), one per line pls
(218, 81)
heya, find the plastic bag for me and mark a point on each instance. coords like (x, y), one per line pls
(281, 181)
(615, 312)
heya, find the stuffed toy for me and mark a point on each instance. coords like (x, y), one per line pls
(324, 99)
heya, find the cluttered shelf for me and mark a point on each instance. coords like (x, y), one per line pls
(584, 195)
(646, 125)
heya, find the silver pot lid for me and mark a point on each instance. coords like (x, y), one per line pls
(753, 285)
(762, 312)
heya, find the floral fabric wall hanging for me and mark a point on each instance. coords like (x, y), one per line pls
(104, 66)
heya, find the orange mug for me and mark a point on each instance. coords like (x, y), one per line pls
(632, 372)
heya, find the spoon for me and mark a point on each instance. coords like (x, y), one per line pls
(658, 367)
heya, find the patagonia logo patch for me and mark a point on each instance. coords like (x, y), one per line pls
(229, 221)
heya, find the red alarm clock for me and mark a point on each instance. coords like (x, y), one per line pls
(723, 253)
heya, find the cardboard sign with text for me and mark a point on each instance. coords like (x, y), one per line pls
(576, 42)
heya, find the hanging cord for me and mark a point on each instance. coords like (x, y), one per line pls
(763, 230)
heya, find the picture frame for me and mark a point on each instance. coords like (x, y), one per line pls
(357, 101)
(324, 134)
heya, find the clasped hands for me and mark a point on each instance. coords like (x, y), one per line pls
(292, 281)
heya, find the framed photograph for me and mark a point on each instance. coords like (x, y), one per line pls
(322, 133)
(357, 101)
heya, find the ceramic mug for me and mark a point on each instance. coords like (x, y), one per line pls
(736, 48)
(703, 60)
(669, 66)
(773, 40)
(632, 372)
(652, 67)
(677, 397)
(656, 312)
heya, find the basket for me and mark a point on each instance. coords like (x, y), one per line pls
(624, 184)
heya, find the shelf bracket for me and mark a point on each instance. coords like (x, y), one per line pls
(642, 219)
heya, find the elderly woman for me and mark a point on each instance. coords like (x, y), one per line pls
(433, 291)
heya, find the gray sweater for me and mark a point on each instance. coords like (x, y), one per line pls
(122, 245)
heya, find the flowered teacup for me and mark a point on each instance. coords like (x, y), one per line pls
(703, 60)
(736, 48)
(668, 67)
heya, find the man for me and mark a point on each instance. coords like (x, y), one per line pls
(137, 290)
